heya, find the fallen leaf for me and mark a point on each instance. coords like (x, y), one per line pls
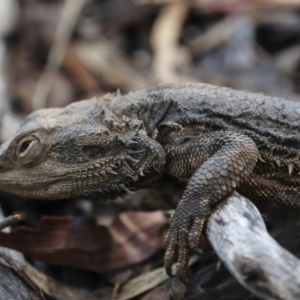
(132, 238)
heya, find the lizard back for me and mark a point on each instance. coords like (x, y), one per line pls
(273, 123)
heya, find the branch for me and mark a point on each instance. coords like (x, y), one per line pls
(240, 238)
(70, 14)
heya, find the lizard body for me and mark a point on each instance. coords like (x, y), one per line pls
(216, 140)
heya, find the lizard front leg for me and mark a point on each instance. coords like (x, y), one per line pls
(219, 162)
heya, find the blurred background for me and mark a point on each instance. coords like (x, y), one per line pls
(54, 52)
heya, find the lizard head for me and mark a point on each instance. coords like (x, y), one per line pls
(82, 150)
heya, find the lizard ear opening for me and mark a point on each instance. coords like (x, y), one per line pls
(29, 151)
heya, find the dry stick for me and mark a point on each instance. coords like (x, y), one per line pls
(8, 18)
(11, 220)
(145, 282)
(69, 17)
(165, 40)
(215, 36)
(239, 236)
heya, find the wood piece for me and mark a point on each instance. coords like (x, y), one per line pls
(239, 236)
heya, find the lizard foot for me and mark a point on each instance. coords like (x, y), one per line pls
(183, 235)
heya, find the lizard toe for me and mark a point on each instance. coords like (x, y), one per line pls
(171, 252)
(183, 255)
(196, 231)
(168, 235)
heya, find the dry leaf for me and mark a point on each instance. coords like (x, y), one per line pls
(132, 238)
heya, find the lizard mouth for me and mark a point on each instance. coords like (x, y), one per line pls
(105, 178)
(113, 174)
(110, 177)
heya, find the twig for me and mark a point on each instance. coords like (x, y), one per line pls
(165, 40)
(146, 282)
(70, 14)
(11, 220)
(215, 36)
(108, 62)
(8, 19)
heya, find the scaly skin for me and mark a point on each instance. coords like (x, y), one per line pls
(215, 140)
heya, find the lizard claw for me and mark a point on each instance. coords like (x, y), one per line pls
(183, 235)
(169, 271)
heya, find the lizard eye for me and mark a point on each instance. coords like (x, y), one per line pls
(24, 146)
(29, 150)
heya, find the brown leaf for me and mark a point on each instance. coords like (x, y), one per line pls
(132, 238)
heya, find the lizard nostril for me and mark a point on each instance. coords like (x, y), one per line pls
(2, 168)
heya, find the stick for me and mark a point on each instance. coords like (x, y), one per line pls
(239, 236)
(70, 14)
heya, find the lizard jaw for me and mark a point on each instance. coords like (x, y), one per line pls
(104, 178)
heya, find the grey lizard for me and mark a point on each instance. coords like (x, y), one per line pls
(215, 140)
